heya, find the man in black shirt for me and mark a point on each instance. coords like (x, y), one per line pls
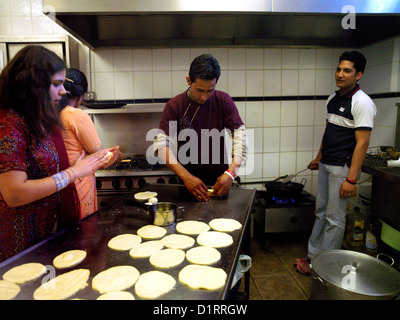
(348, 128)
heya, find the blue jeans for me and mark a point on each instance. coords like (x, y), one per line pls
(330, 210)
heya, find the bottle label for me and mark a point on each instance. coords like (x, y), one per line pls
(370, 242)
(359, 230)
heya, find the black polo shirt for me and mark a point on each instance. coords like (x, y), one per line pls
(353, 111)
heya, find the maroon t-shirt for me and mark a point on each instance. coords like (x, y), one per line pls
(201, 148)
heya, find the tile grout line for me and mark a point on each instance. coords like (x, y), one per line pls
(298, 284)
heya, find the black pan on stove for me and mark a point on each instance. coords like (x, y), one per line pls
(289, 189)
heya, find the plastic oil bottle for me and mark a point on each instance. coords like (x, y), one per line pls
(370, 240)
(355, 228)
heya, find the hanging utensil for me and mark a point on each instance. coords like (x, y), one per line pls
(291, 176)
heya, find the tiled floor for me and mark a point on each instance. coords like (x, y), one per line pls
(273, 275)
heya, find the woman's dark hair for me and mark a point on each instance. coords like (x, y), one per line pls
(25, 87)
(204, 67)
(357, 58)
(75, 84)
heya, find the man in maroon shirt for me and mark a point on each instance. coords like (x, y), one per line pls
(198, 118)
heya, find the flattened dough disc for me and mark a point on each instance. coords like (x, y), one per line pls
(192, 227)
(116, 295)
(115, 279)
(154, 284)
(225, 224)
(146, 249)
(167, 258)
(151, 232)
(203, 255)
(202, 277)
(178, 241)
(124, 242)
(145, 195)
(25, 272)
(8, 290)
(69, 259)
(214, 239)
(63, 286)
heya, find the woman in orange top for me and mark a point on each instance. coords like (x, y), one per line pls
(80, 135)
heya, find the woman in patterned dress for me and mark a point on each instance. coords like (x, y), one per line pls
(34, 169)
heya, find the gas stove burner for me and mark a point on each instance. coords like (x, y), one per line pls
(272, 200)
(278, 200)
(136, 162)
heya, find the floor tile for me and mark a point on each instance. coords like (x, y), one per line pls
(279, 287)
(273, 275)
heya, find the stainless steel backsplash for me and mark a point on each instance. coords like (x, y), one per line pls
(128, 130)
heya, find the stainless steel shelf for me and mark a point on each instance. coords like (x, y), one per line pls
(132, 173)
(129, 108)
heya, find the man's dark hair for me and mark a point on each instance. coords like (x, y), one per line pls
(204, 67)
(356, 57)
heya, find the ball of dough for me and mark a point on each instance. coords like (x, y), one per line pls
(108, 156)
(153, 200)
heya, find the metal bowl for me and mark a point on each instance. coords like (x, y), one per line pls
(162, 213)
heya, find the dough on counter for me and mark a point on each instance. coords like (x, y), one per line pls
(8, 290)
(115, 279)
(69, 259)
(202, 277)
(167, 258)
(154, 284)
(116, 295)
(178, 241)
(210, 192)
(145, 195)
(203, 255)
(225, 224)
(124, 242)
(146, 249)
(25, 273)
(214, 239)
(192, 227)
(63, 286)
(151, 232)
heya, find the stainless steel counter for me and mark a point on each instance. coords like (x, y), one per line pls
(385, 196)
(391, 174)
(93, 233)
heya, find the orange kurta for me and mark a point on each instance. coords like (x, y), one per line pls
(80, 135)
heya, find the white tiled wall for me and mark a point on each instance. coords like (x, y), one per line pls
(25, 17)
(287, 133)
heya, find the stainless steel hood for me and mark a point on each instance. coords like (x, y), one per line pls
(189, 23)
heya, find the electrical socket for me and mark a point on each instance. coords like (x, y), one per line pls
(90, 95)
